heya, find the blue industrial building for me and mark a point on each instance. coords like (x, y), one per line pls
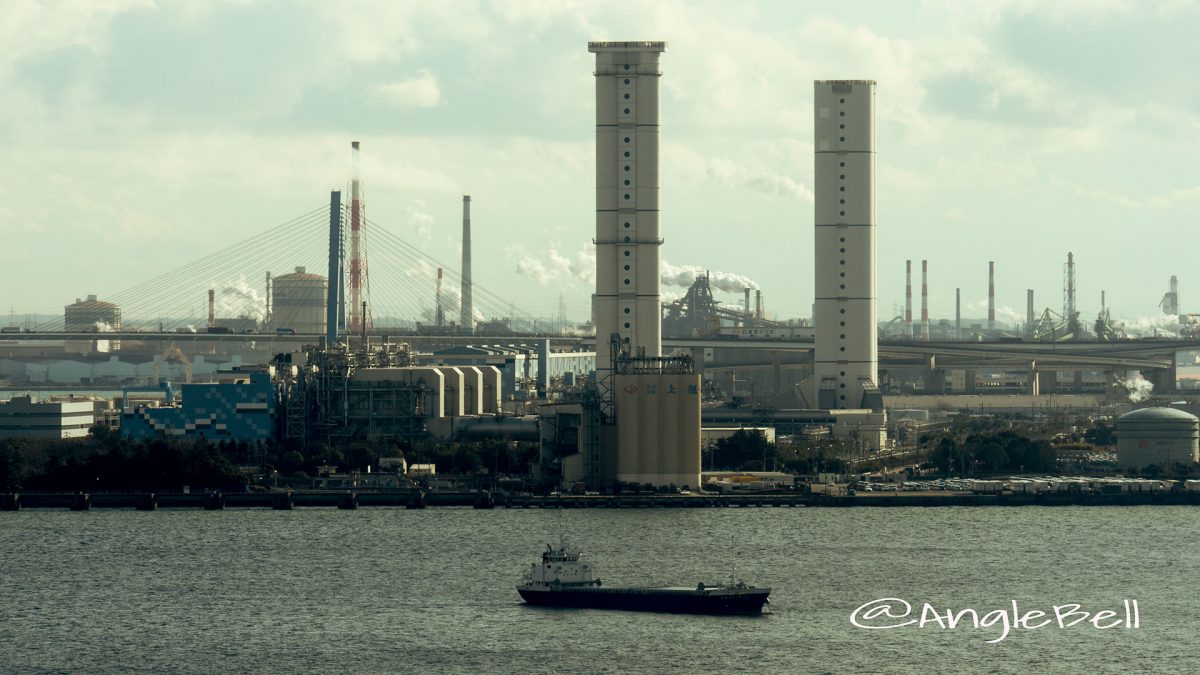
(235, 411)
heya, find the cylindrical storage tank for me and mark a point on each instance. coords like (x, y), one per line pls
(298, 301)
(1159, 436)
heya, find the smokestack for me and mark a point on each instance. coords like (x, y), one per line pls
(991, 295)
(1103, 302)
(1170, 301)
(357, 268)
(1029, 313)
(267, 311)
(439, 316)
(466, 316)
(747, 320)
(1069, 300)
(958, 314)
(758, 306)
(334, 318)
(908, 324)
(924, 299)
(212, 308)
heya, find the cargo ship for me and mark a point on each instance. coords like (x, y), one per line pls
(561, 579)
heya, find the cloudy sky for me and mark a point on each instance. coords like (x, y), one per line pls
(138, 136)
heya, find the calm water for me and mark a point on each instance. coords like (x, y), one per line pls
(390, 590)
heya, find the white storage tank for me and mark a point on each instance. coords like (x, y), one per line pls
(298, 302)
(1159, 436)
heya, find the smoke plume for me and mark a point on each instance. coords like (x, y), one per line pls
(238, 299)
(1137, 387)
(1161, 325)
(685, 275)
(553, 266)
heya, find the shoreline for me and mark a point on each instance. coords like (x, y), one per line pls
(411, 499)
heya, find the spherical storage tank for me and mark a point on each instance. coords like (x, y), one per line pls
(298, 302)
(1158, 436)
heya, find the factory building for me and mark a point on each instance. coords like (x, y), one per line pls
(298, 302)
(1159, 436)
(846, 353)
(23, 417)
(627, 228)
(657, 404)
(91, 315)
(241, 410)
(523, 371)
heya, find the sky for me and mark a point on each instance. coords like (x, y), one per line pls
(137, 136)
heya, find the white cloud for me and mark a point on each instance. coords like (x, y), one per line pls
(419, 221)
(421, 91)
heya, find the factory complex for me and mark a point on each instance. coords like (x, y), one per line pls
(317, 369)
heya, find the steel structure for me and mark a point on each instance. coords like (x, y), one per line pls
(326, 404)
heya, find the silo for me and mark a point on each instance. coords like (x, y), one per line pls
(299, 302)
(1159, 436)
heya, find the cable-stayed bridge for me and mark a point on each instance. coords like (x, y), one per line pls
(400, 284)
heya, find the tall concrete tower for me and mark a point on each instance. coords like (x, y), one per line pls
(627, 234)
(846, 360)
(466, 315)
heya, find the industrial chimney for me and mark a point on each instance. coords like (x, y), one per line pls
(357, 266)
(925, 300)
(439, 314)
(958, 314)
(212, 308)
(1170, 301)
(466, 317)
(908, 324)
(1029, 313)
(991, 295)
(1069, 312)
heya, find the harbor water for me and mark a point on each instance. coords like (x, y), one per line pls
(428, 591)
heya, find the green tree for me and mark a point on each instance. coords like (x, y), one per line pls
(12, 465)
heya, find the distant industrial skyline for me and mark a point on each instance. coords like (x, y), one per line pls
(139, 138)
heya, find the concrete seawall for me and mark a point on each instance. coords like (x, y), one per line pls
(347, 500)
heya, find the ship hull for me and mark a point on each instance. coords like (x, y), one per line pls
(684, 601)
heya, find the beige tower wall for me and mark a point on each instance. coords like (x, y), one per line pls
(846, 353)
(627, 226)
(658, 428)
(492, 393)
(473, 390)
(455, 390)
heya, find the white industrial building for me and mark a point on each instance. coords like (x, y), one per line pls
(24, 417)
